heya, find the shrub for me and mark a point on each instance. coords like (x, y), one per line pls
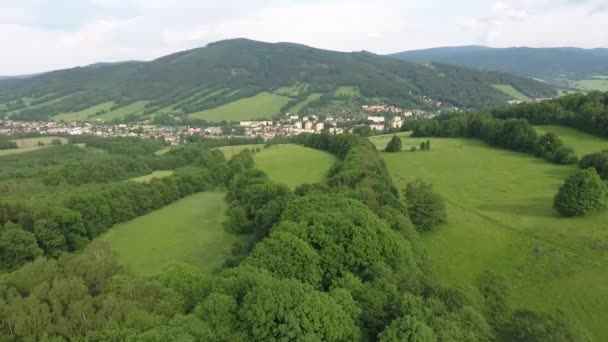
(395, 145)
(583, 193)
(426, 209)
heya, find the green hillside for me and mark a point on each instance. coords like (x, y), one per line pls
(221, 73)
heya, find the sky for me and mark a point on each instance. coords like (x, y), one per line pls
(43, 35)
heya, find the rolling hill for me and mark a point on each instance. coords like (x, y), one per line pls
(203, 79)
(554, 65)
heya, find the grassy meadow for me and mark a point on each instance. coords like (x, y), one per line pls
(597, 83)
(263, 105)
(133, 108)
(289, 164)
(155, 174)
(312, 97)
(294, 90)
(501, 218)
(347, 91)
(189, 230)
(85, 113)
(514, 93)
(582, 143)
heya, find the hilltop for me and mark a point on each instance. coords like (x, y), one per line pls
(554, 65)
(261, 79)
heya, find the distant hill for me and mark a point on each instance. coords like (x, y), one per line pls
(242, 73)
(555, 65)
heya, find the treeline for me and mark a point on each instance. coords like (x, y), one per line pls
(588, 113)
(7, 144)
(513, 134)
(88, 211)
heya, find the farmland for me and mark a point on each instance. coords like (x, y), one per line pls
(347, 91)
(291, 165)
(85, 113)
(189, 230)
(597, 83)
(312, 97)
(119, 113)
(263, 105)
(514, 93)
(31, 144)
(501, 218)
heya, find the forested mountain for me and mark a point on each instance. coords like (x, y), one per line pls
(549, 64)
(226, 71)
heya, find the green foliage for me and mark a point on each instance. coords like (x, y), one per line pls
(551, 148)
(363, 131)
(186, 280)
(394, 145)
(17, 246)
(407, 329)
(7, 144)
(598, 161)
(583, 193)
(426, 208)
(530, 326)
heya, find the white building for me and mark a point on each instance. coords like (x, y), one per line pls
(294, 117)
(377, 127)
(308, 125)
(376, 119)
(396, 122)
(298, 124)
(319, 126)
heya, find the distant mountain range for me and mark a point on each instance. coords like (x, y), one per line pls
(554, 65)
(228, 71)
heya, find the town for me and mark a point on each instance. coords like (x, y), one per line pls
(381, 119)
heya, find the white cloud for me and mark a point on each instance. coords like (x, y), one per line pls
(36, 39)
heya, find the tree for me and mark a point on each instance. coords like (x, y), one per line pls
(428, 145)
(363, 131)
(407, 329)
(56, 142)
(583, 193)
(529, 326)
(394, 145)
(495, 295)
(413, 149)
(17, 246)
(426, 209)
(423, 146)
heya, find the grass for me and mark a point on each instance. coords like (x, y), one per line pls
(582, 143)
(294, 90)
(597, 83)
(133, 108)
(85, 113)
(30, 144)
(155, 174)
(288, 164)
(190, 230)
(162, 151)
(348, 91)
(312, 97)
(229, 151)
(514, 93)
(263, 105)
(501, 218)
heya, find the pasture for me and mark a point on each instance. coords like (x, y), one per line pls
(85, 113)
(189, 230)
(288, 164)
(597, 83)
(155, 174)
(263, 105)
(298, 107)
(348, 91)
(27, 143)
(514, 93)
(582, 143)
(119, 113)
(500, 218)
(294, 90)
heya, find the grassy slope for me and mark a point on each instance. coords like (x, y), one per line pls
(514, 93)
(600, 84)
(582, 143)
(347, 91)
(296, 109)
(133, 108)
(189, 230)
(83, 114)
(229, 151)
(501, 218)
(291, 165)
(155, 174)
(263, 105)
(294, 90)
(33, 142)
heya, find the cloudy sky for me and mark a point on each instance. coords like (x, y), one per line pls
(41, 35)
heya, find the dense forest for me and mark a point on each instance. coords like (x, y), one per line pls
(225, 71)
(549, 64)
(336, 261)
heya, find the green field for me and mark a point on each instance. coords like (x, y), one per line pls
(133, 108)
(291, 165)
(33, 142)
(155, 174)
(514, 93)
(83, 114)
(263, 105)
(501, 218)
(597, 83)
(294, 90)
(190, 230)
(581, 142)
(312, 97)
(347, 91)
